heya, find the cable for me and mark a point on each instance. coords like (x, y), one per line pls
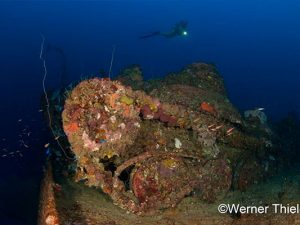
(47, 99)
(112, 60)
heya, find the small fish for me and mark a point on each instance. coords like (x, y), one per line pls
(47, 145)
(218, 127)
(210, 126)
(19, 120)
(261, 109)
(229, 130)
(41, 110)
(229, 134)
(26, 146)
(4, 155)
(56, 138)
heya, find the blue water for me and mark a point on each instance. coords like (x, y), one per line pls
(255, 45)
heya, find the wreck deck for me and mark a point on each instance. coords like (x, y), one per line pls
(77, 204)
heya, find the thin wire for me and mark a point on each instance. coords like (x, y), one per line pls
(46, 97)
(112, 60)
(44, 79)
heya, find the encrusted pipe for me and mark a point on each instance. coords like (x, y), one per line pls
(47, 208)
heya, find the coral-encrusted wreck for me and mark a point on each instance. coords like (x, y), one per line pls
(149, 148)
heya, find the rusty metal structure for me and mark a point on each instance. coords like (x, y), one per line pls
(48, 214)
(148, 151)
(149, 144)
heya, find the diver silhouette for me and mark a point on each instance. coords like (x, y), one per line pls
(178, 30)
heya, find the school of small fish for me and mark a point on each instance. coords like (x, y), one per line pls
(25, 140)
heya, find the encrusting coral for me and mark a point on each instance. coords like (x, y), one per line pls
(148, 151)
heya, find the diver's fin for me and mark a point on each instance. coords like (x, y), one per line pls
(150, 35)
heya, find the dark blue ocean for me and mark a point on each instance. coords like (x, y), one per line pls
(254, 44)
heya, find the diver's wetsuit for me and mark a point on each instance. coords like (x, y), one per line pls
(178, 30)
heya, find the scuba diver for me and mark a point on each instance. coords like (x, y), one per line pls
(178, 30)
